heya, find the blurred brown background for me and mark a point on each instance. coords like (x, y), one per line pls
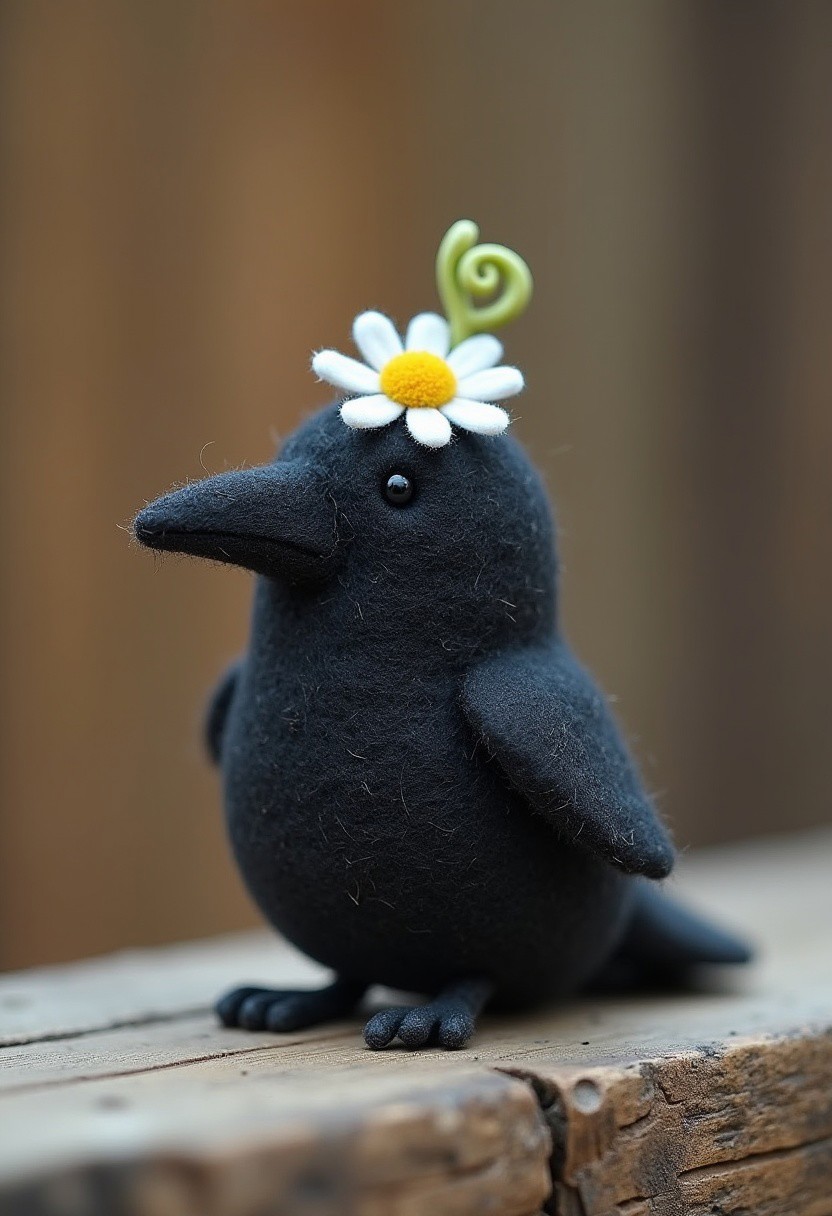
(197, 194)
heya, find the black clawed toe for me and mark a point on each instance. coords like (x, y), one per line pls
(456, 1029)
(281, 1010)
(419, 1025)
(449, 1020)
(228, 1007)
(383, 1026)
(255, 1009)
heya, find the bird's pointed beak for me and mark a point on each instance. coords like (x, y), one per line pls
(276, 519)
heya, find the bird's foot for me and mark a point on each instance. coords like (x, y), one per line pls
(283, 1010)
(449, 1020)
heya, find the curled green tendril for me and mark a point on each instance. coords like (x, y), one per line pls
(467, 272)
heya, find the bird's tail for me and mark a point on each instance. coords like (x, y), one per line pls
(664, 941)
(661, 931)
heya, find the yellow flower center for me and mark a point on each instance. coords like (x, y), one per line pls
(417, 379)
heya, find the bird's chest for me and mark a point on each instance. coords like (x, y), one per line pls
(328, 775)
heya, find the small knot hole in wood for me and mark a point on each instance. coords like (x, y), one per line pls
(586, 1096)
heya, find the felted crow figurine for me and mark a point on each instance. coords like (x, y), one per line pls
(423, 788)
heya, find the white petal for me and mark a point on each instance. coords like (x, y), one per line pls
(375, 336)
(495, 384)
(346, 373)
(429, 331)
(476, 416)
(365, 413)
(429, 427)
(475, 355)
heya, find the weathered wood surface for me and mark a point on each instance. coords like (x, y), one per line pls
(119, 1095)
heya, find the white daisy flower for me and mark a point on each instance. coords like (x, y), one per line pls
(421, 378)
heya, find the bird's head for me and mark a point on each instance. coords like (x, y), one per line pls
(409, 498)
(443, 536)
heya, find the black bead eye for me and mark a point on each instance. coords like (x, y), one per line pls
(398, 489)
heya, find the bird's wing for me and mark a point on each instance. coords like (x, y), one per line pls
(217, 711)
(548, 727)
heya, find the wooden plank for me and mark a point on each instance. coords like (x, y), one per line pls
(678, 1127)
(202, 1142)
(137, 986)
(718, 1101)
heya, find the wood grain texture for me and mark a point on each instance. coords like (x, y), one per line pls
(231, 1141)
(135, 986)
(120, 1095)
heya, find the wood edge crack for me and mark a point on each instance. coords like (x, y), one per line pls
(83, 1032)
(751, 1159)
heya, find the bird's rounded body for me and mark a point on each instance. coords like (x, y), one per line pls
(372, 835)
(423, 787)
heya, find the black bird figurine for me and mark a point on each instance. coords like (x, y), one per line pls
(423, 788)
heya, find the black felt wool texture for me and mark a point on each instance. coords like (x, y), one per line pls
(423, 788)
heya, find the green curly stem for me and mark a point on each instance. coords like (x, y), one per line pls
(467, 272)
